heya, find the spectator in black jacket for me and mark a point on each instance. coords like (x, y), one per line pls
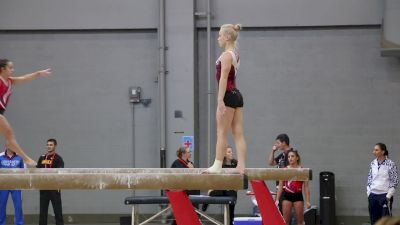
(183, 161)
(50, 160)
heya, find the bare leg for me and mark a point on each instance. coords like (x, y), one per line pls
(240, 142)
(299, 208)
(287, 211)
(223, 126)
(11, 142)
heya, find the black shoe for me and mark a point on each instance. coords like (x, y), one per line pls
(204, 207)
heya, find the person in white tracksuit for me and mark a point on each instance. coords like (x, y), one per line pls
(382, 183)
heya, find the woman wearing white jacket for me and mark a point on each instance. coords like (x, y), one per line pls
(382, 182)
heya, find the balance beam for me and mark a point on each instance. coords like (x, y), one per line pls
(139, 178)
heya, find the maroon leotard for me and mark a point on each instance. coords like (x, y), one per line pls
(231, 84)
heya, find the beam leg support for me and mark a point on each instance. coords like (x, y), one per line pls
(134, 213)
(227, 215)
(182, 208)
(269, 211)
(154, 216)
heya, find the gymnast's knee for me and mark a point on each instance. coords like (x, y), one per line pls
(8, 133)
(237, 133)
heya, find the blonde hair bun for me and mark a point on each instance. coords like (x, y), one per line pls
(237, 27)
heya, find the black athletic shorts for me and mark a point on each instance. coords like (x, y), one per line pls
(293, 197)
(233, 99)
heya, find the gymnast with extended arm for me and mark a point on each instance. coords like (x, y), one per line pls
(7, 81)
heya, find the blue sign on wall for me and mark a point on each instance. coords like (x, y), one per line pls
(188, 141)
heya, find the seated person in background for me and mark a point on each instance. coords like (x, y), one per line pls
(184, 154)
(229, 162)
(292, 192)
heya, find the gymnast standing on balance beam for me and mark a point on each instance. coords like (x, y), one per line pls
(7, 80)
(229, 113)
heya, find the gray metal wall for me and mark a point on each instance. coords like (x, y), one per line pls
(328, 88)
(107, 14)
(275, 13)
(84, 14)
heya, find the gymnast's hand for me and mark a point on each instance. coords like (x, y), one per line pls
(44, 73)
(221, 109)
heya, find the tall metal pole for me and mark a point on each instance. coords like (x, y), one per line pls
(210, 96)
(162, 85)
(133, 142)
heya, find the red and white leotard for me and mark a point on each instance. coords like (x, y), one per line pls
(293, 186)
(5, 92)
